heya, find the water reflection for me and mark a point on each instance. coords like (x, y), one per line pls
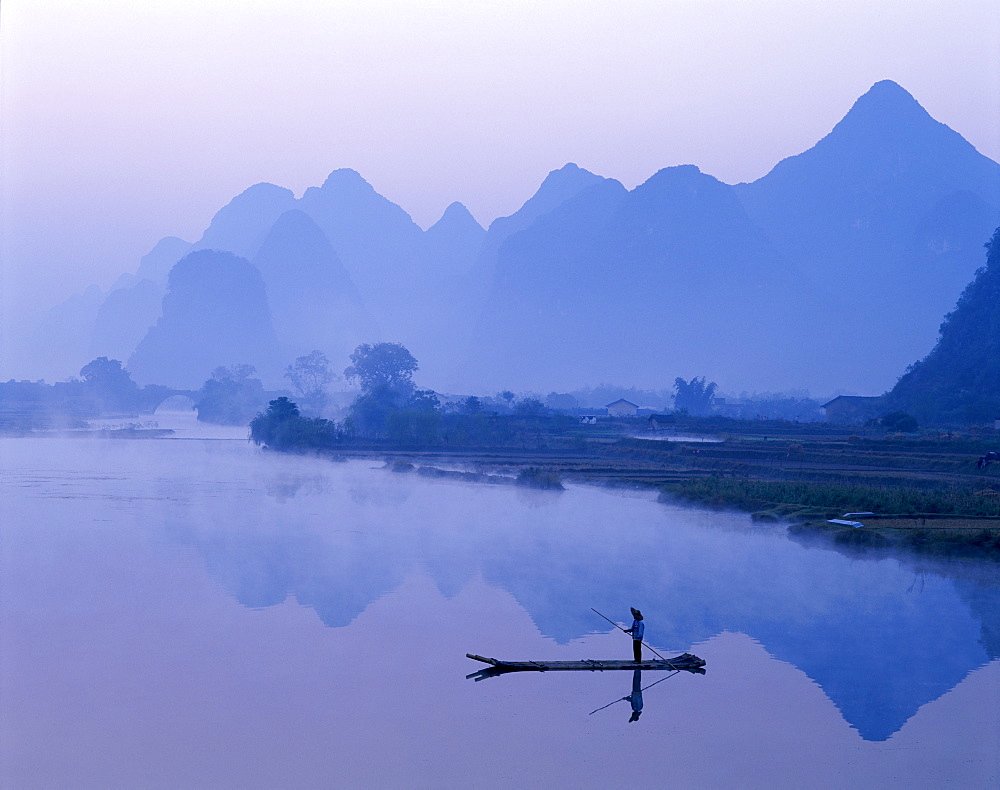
(879, 645)
(881, 636)
(635, 698)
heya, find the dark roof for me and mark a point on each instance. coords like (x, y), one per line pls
(622, 400)
(857, 400)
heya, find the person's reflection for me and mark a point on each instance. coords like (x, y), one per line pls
(636, 696)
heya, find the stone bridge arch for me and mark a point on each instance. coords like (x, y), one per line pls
(176, 400)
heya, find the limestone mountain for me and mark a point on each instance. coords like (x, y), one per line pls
(452, 244)
(837, 266)
(445, 303)
(156, 264)
(314, 304)
(557, 187)
(124, 317)
(240, 226)
(133, 304)
(618, 285)
(890, 207)
(215, 313)
(830, 272)
(958, 382)
(53, 344)
(376, 240)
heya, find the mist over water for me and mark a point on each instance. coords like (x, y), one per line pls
(530, 244)
(193, 611)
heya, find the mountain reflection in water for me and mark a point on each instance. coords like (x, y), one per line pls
(882, 637)
(113, 629)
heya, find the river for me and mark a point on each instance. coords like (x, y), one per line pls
(193, 612)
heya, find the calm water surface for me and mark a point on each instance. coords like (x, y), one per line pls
(188, 613)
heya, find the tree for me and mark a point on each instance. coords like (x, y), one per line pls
(694, 397)
(530, 407)
(385, 371)
(265, 427)
(561, 400)
(956, 383)
(383, 365)
(423, 400)
(310, 375)
(899, 421)
(283, 428)
(471, 405)
(110, 383)
(231, 396)
(369, 414)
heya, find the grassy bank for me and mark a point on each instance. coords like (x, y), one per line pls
(945, 521)
(960, 538)
(831, 500)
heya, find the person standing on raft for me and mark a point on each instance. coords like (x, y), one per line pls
(637, 630)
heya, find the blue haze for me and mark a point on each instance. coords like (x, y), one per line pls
(832, 273)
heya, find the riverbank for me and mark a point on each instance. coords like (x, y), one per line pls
(795, 474)
(978, 538)
(945, 521)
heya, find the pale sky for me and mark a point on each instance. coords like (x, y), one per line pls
(127, 120)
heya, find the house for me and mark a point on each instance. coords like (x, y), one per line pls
(622, 408)
(662, 422)
(852, 409)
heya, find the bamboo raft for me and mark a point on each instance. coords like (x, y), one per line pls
(685, 661)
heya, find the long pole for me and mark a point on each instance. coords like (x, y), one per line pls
(626, 632)
(641, 690)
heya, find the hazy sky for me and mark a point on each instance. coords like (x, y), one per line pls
(124, 121)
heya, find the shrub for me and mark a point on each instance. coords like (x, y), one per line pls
(535, 477)
(281, 427)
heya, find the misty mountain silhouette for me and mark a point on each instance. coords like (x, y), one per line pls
(831, 272)
(215, 313)
(863, 188)
(240, 226)
(156, 264)
(56, 342)
(376, 240)
(314, 304)
(891, 206)
(627, 284)
(957, 382)
(124, 318)
(133, 304)
(452, 244)
(443, 304)
(558, 187)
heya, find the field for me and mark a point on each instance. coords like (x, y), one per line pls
(926, 492)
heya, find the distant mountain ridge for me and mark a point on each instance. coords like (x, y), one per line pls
(646, 280)
(830, 272)
(860, 243)
(890, 209)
